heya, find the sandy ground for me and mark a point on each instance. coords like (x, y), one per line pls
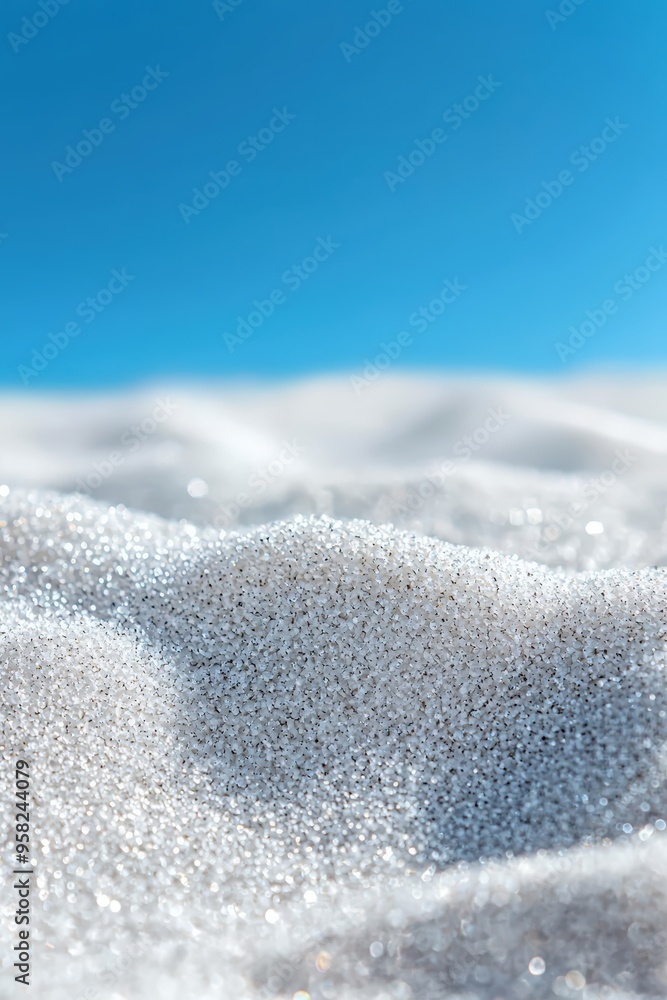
(336, 692)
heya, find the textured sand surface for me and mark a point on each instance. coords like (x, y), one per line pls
(335, 756)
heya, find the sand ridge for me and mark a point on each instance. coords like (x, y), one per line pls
(232, 721)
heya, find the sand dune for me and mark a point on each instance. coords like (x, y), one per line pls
(328, 754)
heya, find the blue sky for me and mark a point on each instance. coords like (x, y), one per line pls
(170, 92)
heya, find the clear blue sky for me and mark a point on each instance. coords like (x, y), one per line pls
(360, 102)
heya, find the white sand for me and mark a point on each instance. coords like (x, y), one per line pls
(329, 755)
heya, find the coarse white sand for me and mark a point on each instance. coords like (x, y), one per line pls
(333, 756)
